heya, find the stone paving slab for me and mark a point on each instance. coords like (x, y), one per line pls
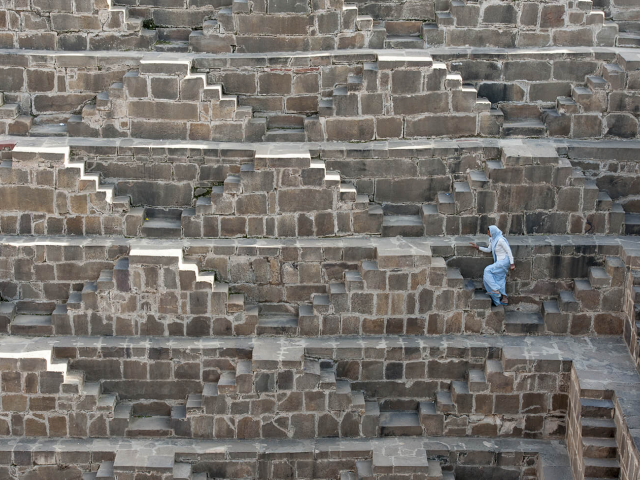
(417, 244)
(603, 360)
(552, 453)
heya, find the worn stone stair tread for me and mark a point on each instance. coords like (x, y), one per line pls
(395, 220)
(343, 387)
(156, 426)
(364, 469)
(107, 400)
(599, 424)
(227, 379)
(25, 320)
(400, 423)
(595, 442)
(181, 471)
(596, 408)
(278, 321)
(210, 389)
(357, 401)
(399, 418)
(162, 223)
(48, 130)
(91, 388)
(601, 462)
(405, 225)
(321, 300)
(105, 470)
(445, 198)
(478, 176)
(122, 410)
(517, 317)
(347, 476)
(477, 376)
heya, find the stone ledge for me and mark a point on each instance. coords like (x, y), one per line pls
(597, 149)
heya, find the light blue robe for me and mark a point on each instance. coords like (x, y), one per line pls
(495, 275)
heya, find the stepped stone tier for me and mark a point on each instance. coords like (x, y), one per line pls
(235, 239)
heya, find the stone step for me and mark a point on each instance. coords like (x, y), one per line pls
(601, 467)
(107, 402)
(615, 75)
(181, 471)
(404, 42)
(599, 278)
(567, 302)
(321, 304)
(277, 325)
(194, 403)
(398, 424)
(518, 322)
(478, 179)
(480, 301)
(628, 39)
(285, 135)
(454, 278)
(159, 223)
(227, 382)
(364, 470)
(446, 204)
(353, 281)
(404, 225)
(48, 130)
(155, 426)
(523, 128)
(596, 82)
(632, 223)
(599, 447)
(32, 325)
(604, 202)
(105, 471)
(235, 303)
(348, 192)
(444, 402)
(598, 427)
(9, 111)
(172, 46)
(596, 408)
(327, 379)
(444, 19)
(358, 403)
(567, 106)
(477, 381)
(347, 476)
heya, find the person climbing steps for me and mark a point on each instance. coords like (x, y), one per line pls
(495, 275)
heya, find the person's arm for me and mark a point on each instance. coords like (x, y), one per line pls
(479, 248)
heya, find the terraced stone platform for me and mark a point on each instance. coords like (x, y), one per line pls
(234, 239)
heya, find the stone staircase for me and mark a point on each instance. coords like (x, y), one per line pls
(482, 194)
(278, 184)
(514, 24)
(599, 447)
(248, 28)
(165, 99)
(74, 191)
(595, 108)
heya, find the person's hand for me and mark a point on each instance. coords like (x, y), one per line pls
(474, 245)
(513, 267)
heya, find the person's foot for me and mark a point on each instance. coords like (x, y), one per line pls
(504, 300)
